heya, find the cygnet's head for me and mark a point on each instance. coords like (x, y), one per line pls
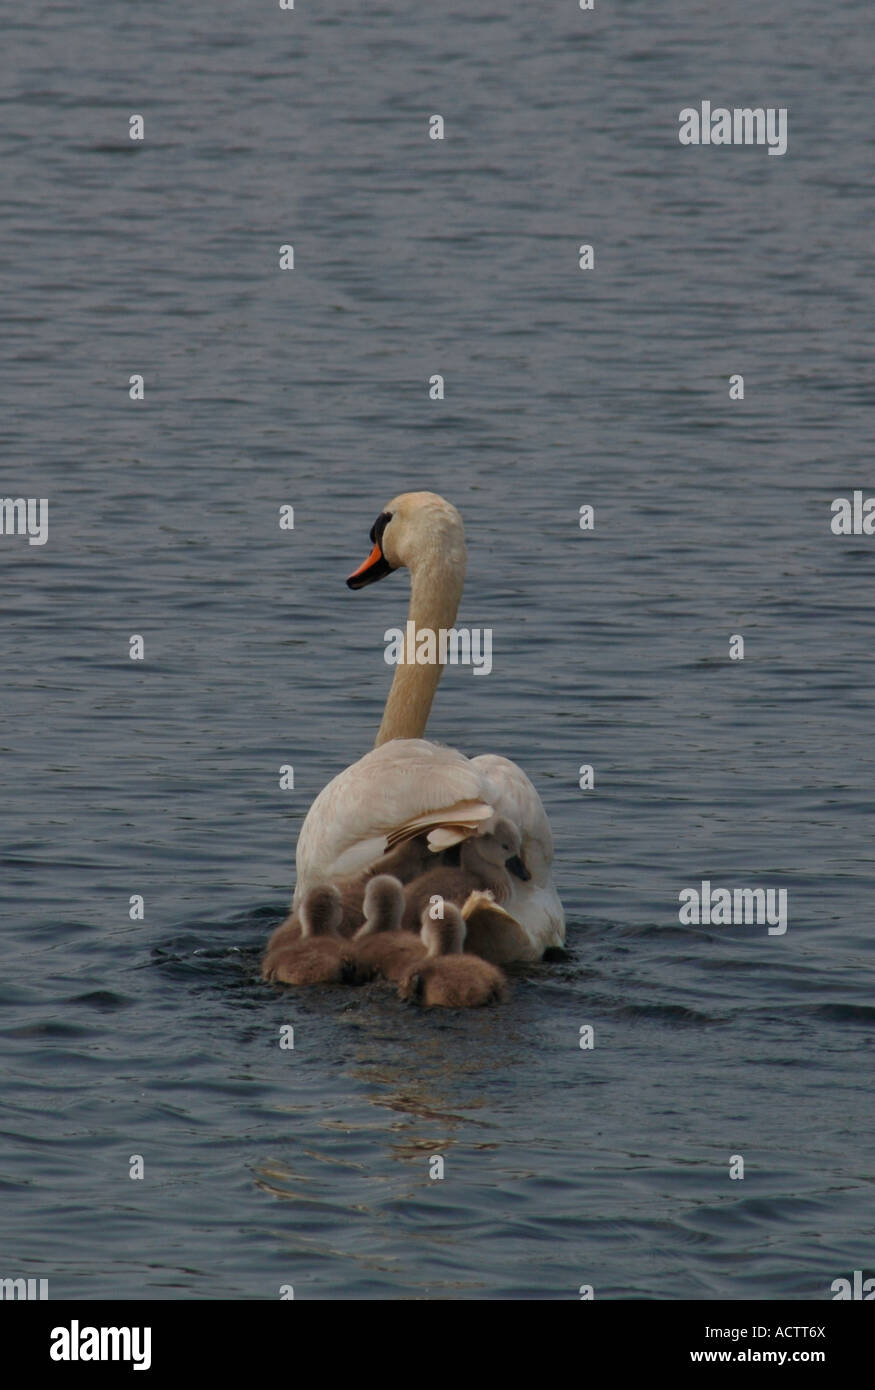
(446, 935)
(383, 904)
(499, 847)
(321, 911)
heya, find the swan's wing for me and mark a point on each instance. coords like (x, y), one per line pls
(401, 782)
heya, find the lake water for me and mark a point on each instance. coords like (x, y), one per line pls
(563, 1167)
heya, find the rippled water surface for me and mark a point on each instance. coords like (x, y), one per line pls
(310, 1167)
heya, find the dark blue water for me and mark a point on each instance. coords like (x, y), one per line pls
(310, 1167)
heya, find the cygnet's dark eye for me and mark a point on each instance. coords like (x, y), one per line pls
(379, 526)
(516, 866)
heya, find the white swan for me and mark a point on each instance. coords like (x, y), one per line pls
(406, 784)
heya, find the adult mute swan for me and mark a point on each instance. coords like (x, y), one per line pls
(407, 786)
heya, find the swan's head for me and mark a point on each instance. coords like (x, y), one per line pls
(499, 846)
(446, 937)
(321, 911)
(413, 527)
(383, 904)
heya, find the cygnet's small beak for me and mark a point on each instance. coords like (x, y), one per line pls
(518, 868)
(375, 567)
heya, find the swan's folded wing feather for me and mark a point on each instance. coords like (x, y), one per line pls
(465, 815)
(443, 836)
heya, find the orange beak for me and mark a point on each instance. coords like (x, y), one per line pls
(376, 566)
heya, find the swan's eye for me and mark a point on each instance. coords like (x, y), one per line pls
(379, 526)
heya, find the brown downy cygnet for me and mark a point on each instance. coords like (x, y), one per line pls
(485, 864)
(319, 955)
(380, 947)
(446, 977)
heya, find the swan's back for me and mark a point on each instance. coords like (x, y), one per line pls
(346, 828)
(404, 780)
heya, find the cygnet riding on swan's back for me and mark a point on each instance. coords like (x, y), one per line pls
(407, 786)
(486, 863)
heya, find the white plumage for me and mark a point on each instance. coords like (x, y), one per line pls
(407, 785)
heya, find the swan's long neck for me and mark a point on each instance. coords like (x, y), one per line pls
(435, 592)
